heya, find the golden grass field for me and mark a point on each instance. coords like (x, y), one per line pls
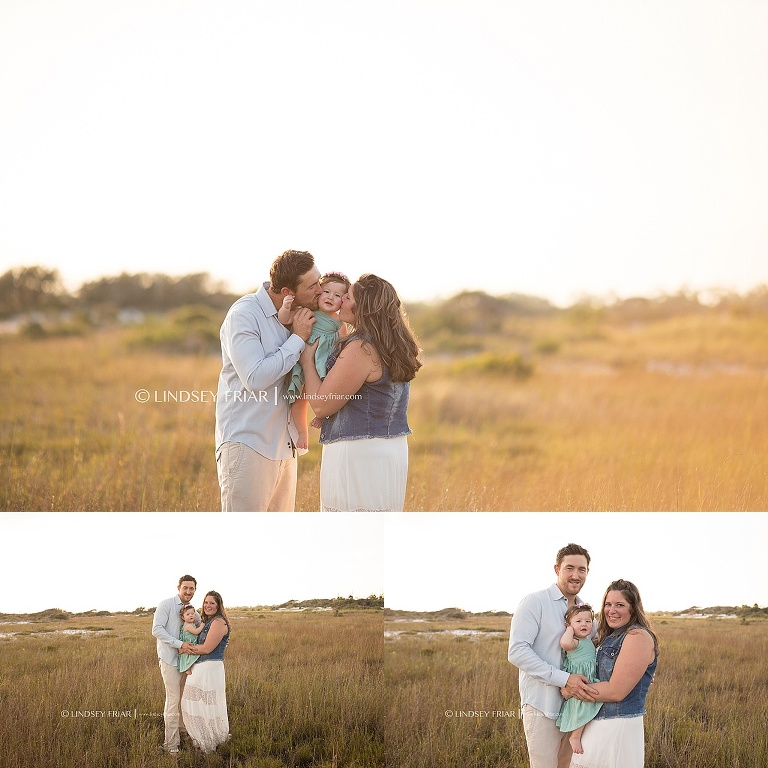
(303, 689)
(707, 707)
(662, 415)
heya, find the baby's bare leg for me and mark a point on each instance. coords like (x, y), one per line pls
(575, 740)
(299, 412)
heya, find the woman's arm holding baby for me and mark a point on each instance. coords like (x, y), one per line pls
(213, 638)
(636, 655)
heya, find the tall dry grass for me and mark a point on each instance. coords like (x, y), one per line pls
(661, 416)
(707, 706)
(577, 439)
(75, 438)
(302, 690)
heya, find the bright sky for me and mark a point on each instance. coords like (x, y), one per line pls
(419, 561)
(551, 148)
(120, 561)
(489, 561)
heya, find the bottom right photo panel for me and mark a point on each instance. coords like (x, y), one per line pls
(581, 640)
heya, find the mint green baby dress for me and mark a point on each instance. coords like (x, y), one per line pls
(574, 713)
(326, 328)
(186, 660)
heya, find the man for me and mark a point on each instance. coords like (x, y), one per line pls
(534, 647)
(166, 628)
(255, 435)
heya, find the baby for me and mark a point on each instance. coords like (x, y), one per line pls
(327, 328)
(189, 632)
(581, 658)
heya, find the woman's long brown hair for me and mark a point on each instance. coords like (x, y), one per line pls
(381, 320)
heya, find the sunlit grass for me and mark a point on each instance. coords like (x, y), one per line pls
(707, 706)
(578, 440)
(658, 416)
(302, 690)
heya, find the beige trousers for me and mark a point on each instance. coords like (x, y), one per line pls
(174, 687)
(548, 747)
(251, 483)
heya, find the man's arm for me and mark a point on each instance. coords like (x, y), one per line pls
(241, 339)
(162, 614)
(525, 628)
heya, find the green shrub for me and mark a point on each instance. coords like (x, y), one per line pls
(547, 346)
(489, 363)
(192, 329)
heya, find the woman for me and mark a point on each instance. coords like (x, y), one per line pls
(204, 703)
(363, 402)
(627, 652)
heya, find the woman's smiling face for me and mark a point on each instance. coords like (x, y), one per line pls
(616, 609)
(210, 606)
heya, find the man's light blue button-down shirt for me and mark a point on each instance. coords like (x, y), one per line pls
(257, 352)
(534, 647)
(166, 627)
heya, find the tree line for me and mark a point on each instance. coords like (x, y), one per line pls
(37, 289)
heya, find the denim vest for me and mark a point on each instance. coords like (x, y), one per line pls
(633, 704)
(378, 409)
(217, 654)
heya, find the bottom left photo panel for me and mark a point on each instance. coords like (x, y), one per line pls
(203, 639)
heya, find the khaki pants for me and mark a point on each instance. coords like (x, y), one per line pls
(174, 687)
(548, 747)
(251, 483)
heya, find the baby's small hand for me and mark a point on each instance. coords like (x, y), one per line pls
(285, 313)
(316, 423)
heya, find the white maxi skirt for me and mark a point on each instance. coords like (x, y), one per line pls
(612, 742)
(366, 475)
(204, 705)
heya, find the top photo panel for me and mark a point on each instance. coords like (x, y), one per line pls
(383, 257)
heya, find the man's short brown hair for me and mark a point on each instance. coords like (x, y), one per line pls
(571, 549)
(288, 268)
